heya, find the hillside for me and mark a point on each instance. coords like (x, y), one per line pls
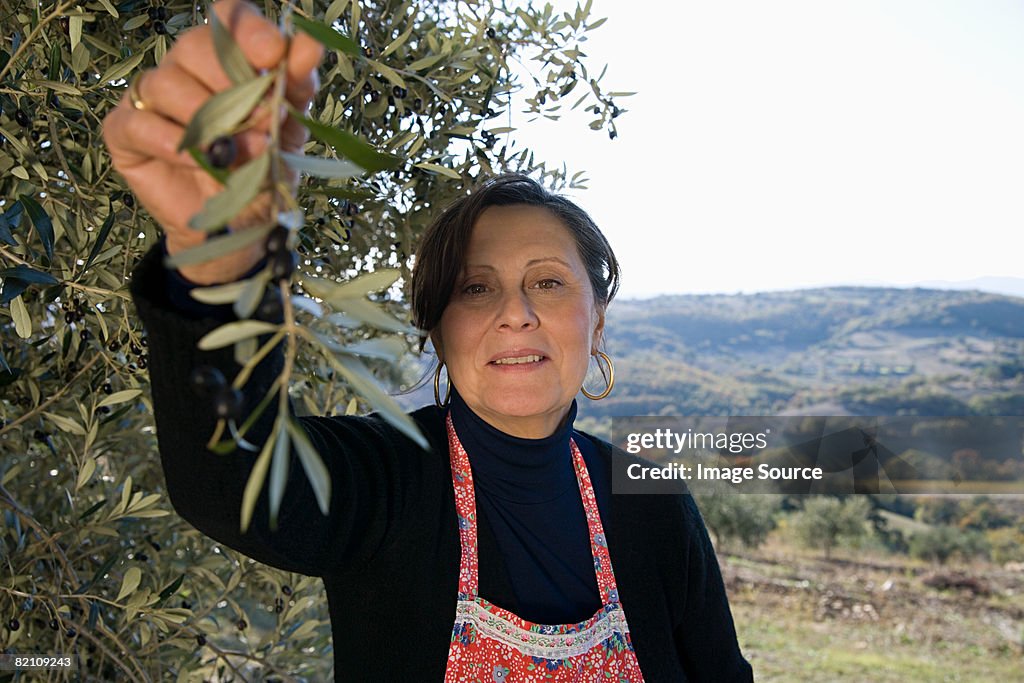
(840, 350)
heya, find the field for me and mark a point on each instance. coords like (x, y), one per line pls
(871, 616)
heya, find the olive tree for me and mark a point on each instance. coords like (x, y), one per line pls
(93, 561)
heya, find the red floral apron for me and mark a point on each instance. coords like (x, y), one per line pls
(492, 645)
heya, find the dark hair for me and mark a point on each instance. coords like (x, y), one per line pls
(442, 252)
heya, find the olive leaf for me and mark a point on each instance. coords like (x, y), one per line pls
(251, 295)
(278, 472)
(437, 168)
(40, 221)
(316, 471)
(234, 331)
(216, 247)
(231, 58)
(242, 187)
(131, 580)
(327, 36)
(255, 482)
(222, 113)
(321, 167)
(348, 145)
(366, 386)
(219, 294)
(22, 320)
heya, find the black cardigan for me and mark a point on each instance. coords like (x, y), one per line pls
(388, 551)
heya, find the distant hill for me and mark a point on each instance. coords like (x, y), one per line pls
(839, 350)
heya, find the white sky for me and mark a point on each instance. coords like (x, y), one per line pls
(776, 144)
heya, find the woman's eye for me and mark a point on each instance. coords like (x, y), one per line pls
(475, 289)
(548, 283)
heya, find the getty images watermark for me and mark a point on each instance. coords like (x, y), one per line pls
(815, 455)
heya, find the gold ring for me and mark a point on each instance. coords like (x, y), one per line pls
(134, 96)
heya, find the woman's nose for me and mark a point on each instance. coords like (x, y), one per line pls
(516, 312)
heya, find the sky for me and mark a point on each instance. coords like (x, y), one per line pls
(781, 144)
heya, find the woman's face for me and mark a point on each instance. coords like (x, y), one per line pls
(522, 323)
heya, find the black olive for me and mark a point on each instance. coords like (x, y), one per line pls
(143, 363)
(104, 410)
(128, 200)
(163, 14)
(22, 118)
(206, 380)
(160, 27)
(242, 624)
(278, 605)
(417, 104)
(142, 557)
(135, 348)
(71, 633)
(612, 135)
(399, 92)
(185, 604)
(332, 59)
(282, 264)
(200, 640)
(270, 308)
(286, 589)
(375, 96)
(114, 345)
(108, 388)
(154, 13)
(227, 404)
(54, 624)
(491, 33)
(86, 335)
(14, 624)
(222, 151)
(277, 239)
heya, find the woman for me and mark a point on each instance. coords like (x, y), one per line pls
(497, 555)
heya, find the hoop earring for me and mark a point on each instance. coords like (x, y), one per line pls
(610, 377)
(437, 388)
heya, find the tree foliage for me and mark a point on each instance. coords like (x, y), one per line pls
(747, 519)
(825, 520)
(94, 563)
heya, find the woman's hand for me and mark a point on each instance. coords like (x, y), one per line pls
(143, 141)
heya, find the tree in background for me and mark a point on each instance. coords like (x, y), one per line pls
(824, 521)
(733, 517)
(941, 543)
(94, 562)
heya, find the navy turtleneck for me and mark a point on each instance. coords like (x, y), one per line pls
(531, 518)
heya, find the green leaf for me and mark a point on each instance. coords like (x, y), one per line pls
(278, 473)
(242, 187)
(436, 168)
(171, 588)
(348, 145)
(319, 166)
(222, 113)
(101, 238)
(356, 288)
(220, 294)
(251, 295)
(66, 424)
(40, 221)
(399, 41)
(23, 272)
(216, 247)
(316, 471)
(122, 69)
(366, 385)
(22, 321)
(425, 62)
(255, 482)
(119, 397)
(231, 58)
(387, 72)
(131, 581)
(229, 333)
(327, 36)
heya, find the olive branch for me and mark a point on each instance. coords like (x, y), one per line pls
(264, 303)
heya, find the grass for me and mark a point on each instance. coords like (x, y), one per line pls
(801, 619)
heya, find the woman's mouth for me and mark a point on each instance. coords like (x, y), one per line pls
(518, 360)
